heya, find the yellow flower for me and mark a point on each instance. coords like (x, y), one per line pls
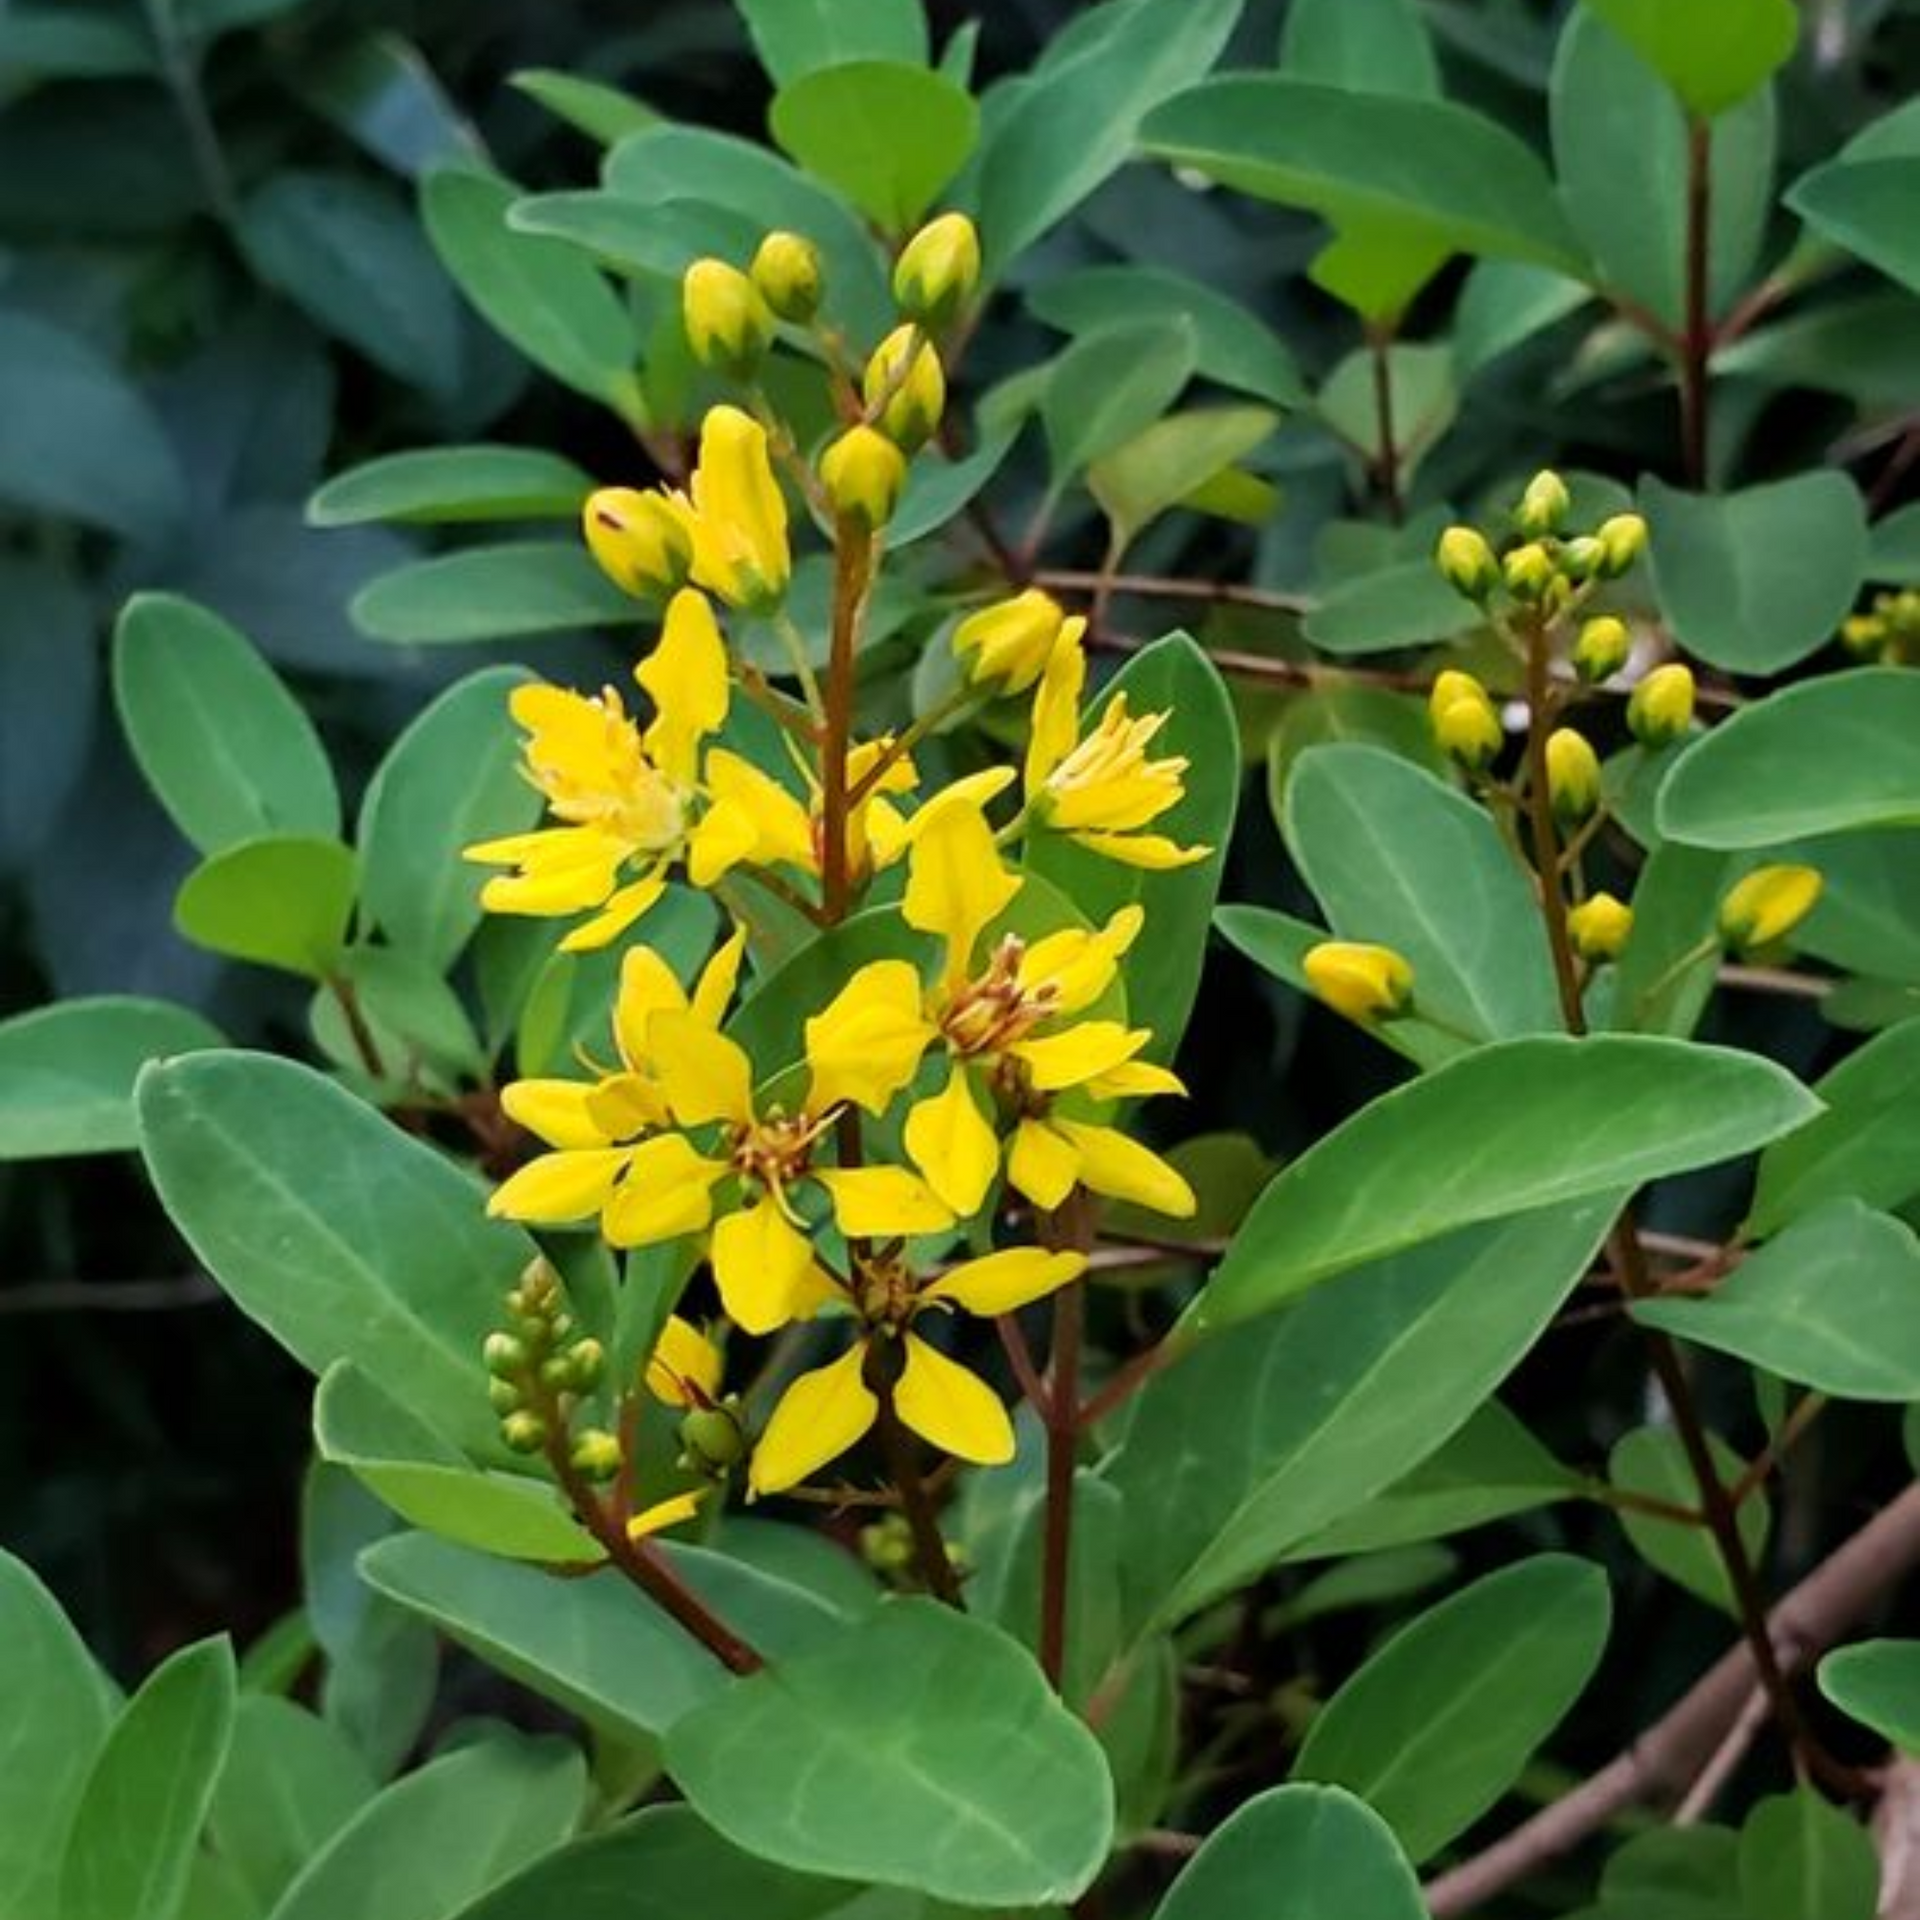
(1603, 648)
(1012, 640)
(1467, 563)
(1623, 539)
(863, 473)
(1543, 507)
(1103, 789)
(1465, 724)
(828, 1410)
(1365, 983)
(1600, 927)
(735, 515)
(1768, 905)
(684, 1368)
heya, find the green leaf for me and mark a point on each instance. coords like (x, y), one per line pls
(1505, 303)
(58, 1709)
(1878, 1684)
(1110, 385)
(1515, 1126)
(491, 593)
(138, 1820)
(1252, 1445)
(418, 1025)
(1369, 46)
(1664, 978)
(1426, 400)
(795, 37)
(49, 696)
(67, 1072)
(888, 136)
(1652, 1461)
(444, 1835)
(1402, 859)
(409, 1466)
(593, 1645)
(348, 253)
(917, 1748)
(281, 901)
(1827, 756)
(1866, 206)
(1160, 467)
(1894, 548)
(538, 293)
(1712, 52)
(1802, 1858)
(1297, 1853)
(601, 112)
(1407, 605)
(451, 779)
(1756, 581)
(380, 92)
(344, 1237)
(1620, 152)
(439, 486)
(228, 750)
(1449, 179)
(1438, 1725)
(1833, 1302)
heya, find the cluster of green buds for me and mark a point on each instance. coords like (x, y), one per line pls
(540, 1368)
(1888, 630)
(1542, 565)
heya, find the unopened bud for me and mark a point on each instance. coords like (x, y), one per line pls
(1599, 928)
(1543, 508)
(1602, 649)
(906, 395)
(587, 1363)
(729, 324)
(1660, 708)
(595, 1454)
(524, 1432)
(1530, 573)
(1365, 983)
(641, 544)
(1467, 562)
(1573, 776)
(1765, 907)
(863, 473)
(504, 1397)
(504, 1355)
(711, 1439)
(1623, 540)
(1010, 641)
(938, 270)
(1582, 558)
(1466, 725)
(1863, 633)
(787, 270)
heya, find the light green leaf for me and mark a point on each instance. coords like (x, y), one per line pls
(138, 1820)
(437, 486)
(1407, 605)
(918, 1748)
(601, 112)
(1802, 1858)
(887, 135)
(1110, 385)
(1756, 581)
(1160, 467)
(491, 593)
(227, 749)
(1833, 1302)
(1826, 756)
(1878, 1683)
(67, 1072)
(1437, 1726)
(281, 901)
(1297, 1853)
(1252, 1445)
(1712, 52)
(795, 37)
(346, 1238)
(1370, 46)
(1652, 1461)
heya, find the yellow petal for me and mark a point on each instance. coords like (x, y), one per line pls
(668, 1193)
(954, 1145)
(625, 1105)
(1123, 1169)
(1056, 711)
(557, 1110)
(666, 1513)
(713, 992)
(623, 908)
(956, 882)
(647, 986)
(955, 1409)
(686, 678)
(1042, 1164)
(685, 1367)
(1002, 1282)
(1077, 965)
(819, 1417)
(1134, 1080)
(760, 1263)
(741, 541)
(875, 1202)
(1066, 1059)
(559, 1187)
(1151, 851)
(725, 836)
(705, 1075)
(868, 1042)
(783, 830)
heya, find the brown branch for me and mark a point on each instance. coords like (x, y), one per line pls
(1696, 346)
(1161, 586)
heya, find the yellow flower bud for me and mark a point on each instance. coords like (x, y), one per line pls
(1602, 649)
(1530, 572)
(1581, 558)
(1660, 708)
(729, 325)
(1466, 725)
(642, 545)
(1466, 562)
(1573, 776)
(1365, 983)
(863, 473)
(938, 270)
(1599, 928)
(1544, 507)
(1767, 906)
(906, 396)
(789, 274)
(1010, 641)
(1863, 633)
(1624, 540)
(524, 1432)
(596, 1454)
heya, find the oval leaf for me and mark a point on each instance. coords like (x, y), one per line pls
(438, 486)
(1878, 1683)
(490, 593)
(282, 902)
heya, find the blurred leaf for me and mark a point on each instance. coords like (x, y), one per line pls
(797, 37)
(1877, 1682)
(1437, 1726)
(936, 491)
(1867, 350)
(1503, 304)
(888, 136)
(378, 89)
(1107, 386)
(1663, 980)
(1424, 394)
(447, 485)
(1894, 554)
(420, 1028)
(1756, 581)
(1159, 468)
(58, 40)
(48, 675)
(1399, 606)
(601, 112)
(229, 752)
(492, 593)
(1371, 46)
(1802, 1858)
(1712, 52)
(1652, 1461)
(1866, 206)
(282, 900)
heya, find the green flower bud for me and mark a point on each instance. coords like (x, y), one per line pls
(1603, 648)
(504, 1355)
(729, 325)
(938, 270)
(587, 1365)
(1543, 507)
(1624, 539)
(789, 274)
(1599, 928)
(1573, 776)
(556, 1373)
(712, 1439)
(1582, 558)
(863, 473)
(1660, 708)
(505, 1396)
(906, 396)
(524, 1432)
(1467, 563)
(1530, 573)
(595, 1454)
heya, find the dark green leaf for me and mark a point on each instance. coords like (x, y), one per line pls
(1408, 605)
(1109, 385)
(1803, 1858)
(601, 112)
(442, 485)
(796, 37)
(48, 675)
(1653, 1462)
(1370, 46)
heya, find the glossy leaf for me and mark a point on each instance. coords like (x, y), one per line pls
(1513, 1127)
(1712, 52)
(1435, 1727)
(797, 37)
(446, 485)
(1652, 1461)
(1372, 46)
(1866, 205)
(228, 750)
(491, 593)
(1803, 1858)
(1407, 605)
(282, 901)
(1160, 467)
(1877, 1682)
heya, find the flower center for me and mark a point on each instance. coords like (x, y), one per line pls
(994, 1010)
(774, 1151)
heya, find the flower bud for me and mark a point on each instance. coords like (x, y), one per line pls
(1863, 633)
(640, 542)
(1010, 641)
(1466, 725)
(1530, 572)
(1602, 649)
(1624, 540)
(729, 325)
(595, 1454)
(524, 1432)
(863, 473)
(1767, 906)
(1543, 508)
(504, 1397)
(1660, 708)
(791, 279)
(586, 1364)
(938, 270)
(504, 1355)
(906, 396)
(1582, 558)
(711, 1439)
(1573, 776)
(1467, 563)
(1599, 928)
(556, 1373)
(1366, 983)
